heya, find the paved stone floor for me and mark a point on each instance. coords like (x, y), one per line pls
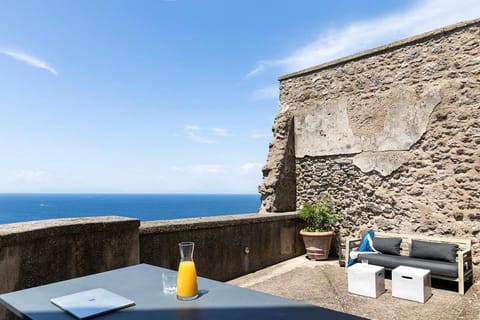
(324, 283)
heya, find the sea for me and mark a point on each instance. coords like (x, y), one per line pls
(146, 207)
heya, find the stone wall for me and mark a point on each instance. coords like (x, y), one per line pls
(392, 134)
(279, 176)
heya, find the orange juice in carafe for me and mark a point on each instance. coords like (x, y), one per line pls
(187, 280)
(187, 288)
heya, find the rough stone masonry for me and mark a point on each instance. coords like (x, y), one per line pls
(392, 134)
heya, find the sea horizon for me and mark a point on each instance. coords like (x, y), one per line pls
(21, 207)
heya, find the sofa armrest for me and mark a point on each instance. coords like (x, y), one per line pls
(349, 245)
(466, 257)
(464, 261)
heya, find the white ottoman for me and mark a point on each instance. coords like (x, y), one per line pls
(411, 283)
(366, 280)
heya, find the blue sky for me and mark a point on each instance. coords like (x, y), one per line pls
(169, 96)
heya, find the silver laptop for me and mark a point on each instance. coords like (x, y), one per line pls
(91, 303)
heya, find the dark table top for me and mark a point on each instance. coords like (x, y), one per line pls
(143, 284)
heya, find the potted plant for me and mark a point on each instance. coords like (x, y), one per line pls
(320, 219)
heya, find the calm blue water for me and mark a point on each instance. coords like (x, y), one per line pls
(26, 207)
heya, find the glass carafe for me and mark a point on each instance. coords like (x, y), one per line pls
(187, 288)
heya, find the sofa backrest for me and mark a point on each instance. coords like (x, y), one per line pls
(463, 244)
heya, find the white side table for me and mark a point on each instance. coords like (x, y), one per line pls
(366, 280)
(411, 283)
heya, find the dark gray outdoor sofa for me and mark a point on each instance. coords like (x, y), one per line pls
(446, 258)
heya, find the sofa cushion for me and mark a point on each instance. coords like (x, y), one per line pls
(437, 268)
(434, 250)
(387, 245)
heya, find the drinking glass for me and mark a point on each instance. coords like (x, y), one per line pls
(169, 281)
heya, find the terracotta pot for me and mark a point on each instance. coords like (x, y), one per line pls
(317, 244)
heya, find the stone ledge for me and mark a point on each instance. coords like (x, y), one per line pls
(32, 230)
(381, 49)
(152, 227)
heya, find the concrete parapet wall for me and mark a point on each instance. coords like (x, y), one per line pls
(39, 252)
(225, 247)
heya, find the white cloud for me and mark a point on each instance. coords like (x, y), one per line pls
(268, 92)
(202, 169)
(32, 175)
(219, 132)
(251, 167)
(217, 169)
(335, 43)
(261, 65)
(30, 60)
(204, 135)
(215, 178)
(259, 134)
(195, 133)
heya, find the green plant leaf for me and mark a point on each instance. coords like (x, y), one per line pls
(320, 216)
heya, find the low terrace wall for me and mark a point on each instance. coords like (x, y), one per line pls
(40, 252)
(225, 247)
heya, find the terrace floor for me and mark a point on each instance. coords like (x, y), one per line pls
(324, 283)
